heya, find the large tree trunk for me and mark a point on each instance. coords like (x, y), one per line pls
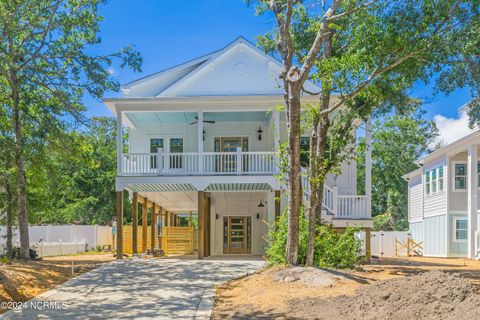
(20, 164)
(294, 177)
(318, 144)
(9, 222)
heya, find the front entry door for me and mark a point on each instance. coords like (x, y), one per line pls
(237, 235)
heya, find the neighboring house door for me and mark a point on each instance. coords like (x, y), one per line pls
(237, 235)
(228, 163)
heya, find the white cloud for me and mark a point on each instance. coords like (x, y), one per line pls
(452, 129)
(112, 71)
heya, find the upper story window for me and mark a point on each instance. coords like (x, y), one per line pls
(156, 144)
(460, 176)
(478, 173)
(434, 180)
(304, 151)
(427, 182)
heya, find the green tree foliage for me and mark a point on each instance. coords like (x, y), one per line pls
(46, 68)
(332, 249)
(367, 54)
(81, 187)
(398, 140)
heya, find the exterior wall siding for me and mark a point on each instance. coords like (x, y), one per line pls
(435, 239)
(435, 204)
(415, 203)
(456, 249)
(417, 231)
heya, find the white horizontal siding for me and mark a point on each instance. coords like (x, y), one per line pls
(415, 202)
(435, 204)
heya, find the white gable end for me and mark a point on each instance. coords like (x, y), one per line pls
(240, 70)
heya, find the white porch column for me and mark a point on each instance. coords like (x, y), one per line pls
(472, 198)
(200, 140)
(119, 142)
(276, 138)
(368, 166)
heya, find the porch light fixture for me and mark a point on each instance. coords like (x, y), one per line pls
(260, 131)
(216, 216)
(258, 216)
(204, 133)
(261, 205)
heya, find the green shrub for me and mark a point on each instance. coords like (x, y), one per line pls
(332, 249)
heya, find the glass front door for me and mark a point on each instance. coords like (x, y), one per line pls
(237, 235)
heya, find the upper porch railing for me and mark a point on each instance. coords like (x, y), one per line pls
(340, 206)
(212, 163)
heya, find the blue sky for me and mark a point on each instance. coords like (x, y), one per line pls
(169, 32)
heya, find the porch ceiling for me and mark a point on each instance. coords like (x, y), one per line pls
(225, 187)
(157, 118)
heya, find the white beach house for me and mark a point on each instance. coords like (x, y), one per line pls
(202, 138)
(443, 199)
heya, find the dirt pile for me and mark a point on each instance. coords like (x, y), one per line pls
(430, 295)
(308, 276)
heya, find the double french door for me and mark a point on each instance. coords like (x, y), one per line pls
(237, 235)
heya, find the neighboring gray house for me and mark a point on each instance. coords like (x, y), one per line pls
(443, 200)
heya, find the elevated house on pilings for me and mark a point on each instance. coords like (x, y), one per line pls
(202, 138)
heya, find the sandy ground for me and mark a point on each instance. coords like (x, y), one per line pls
(261, 295)
(21, 281)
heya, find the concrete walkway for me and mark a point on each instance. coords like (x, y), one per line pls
(140, 289)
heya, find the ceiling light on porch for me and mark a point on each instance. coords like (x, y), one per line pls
(259, 131)
(261, 205)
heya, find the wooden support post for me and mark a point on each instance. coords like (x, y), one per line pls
(207, 227)
(144, 224)
(160, 216)
(135, 223)
(190, 221)
(201, 224)
(368, 244)
(277, 204)
(153, 226)
(119, 213)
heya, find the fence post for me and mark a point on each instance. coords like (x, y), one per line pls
(335, 200)
(239, 160)
(95, 240)
(61, 247)
(49, 233)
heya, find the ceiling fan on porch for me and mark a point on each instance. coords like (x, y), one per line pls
(204, 121)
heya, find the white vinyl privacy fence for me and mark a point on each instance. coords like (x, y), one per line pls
(383, 242)
(51, 240)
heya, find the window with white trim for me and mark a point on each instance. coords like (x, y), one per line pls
(427, 182)
(441, 185)
(460, 176)
(478, 173)
(461, 229)
(434, 180)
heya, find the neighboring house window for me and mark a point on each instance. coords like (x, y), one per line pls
(460, 182)
(478, 173)
(304, 151)
(440, 179)
(155, 144)
(427, 182)
(461, 230)
(434, 180)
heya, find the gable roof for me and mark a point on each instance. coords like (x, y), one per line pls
(238, 69)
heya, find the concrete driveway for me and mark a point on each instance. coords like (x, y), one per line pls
(139, 289)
